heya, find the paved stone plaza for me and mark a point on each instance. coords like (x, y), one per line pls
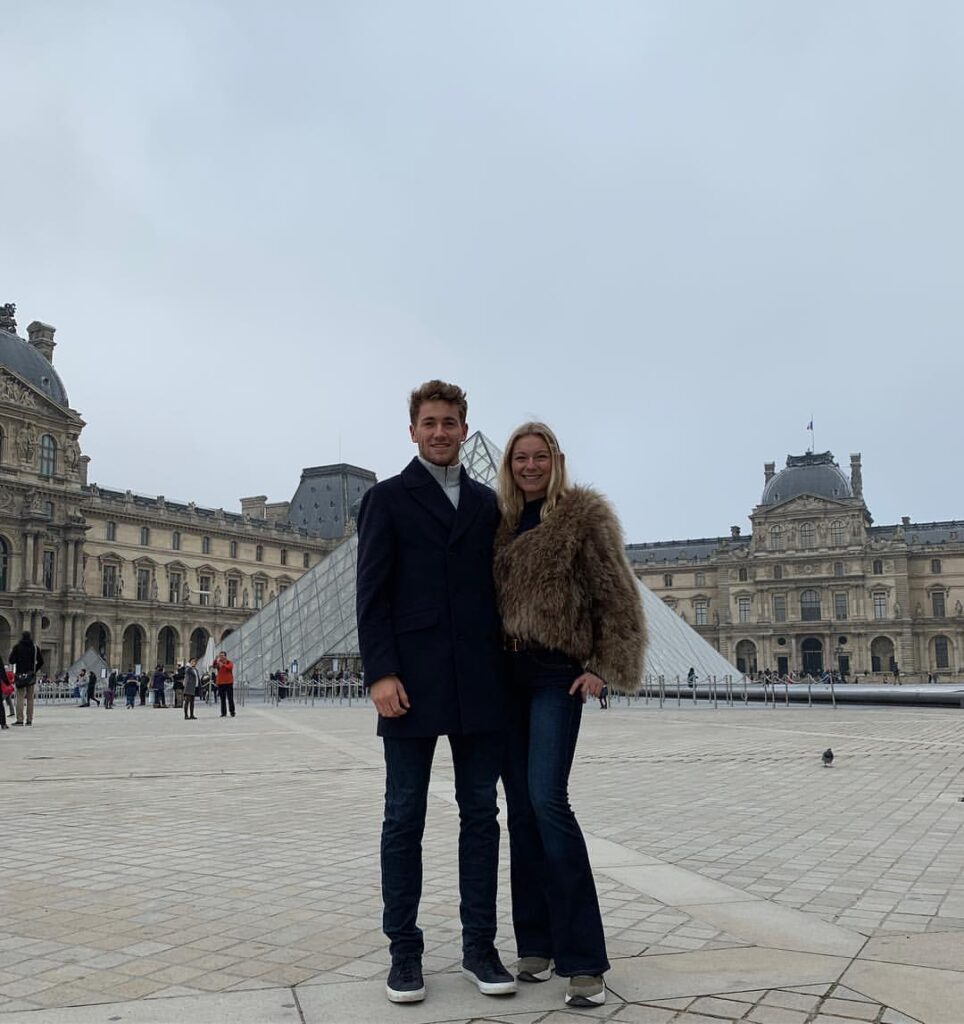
(158, 870)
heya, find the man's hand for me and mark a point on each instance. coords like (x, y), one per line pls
(389, 697)
(587, 685)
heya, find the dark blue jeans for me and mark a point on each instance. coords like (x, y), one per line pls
(408, 764)
(555, 910)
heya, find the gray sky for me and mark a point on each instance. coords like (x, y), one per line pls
(673, 230)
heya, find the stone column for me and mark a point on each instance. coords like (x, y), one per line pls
(69, 546)
(77, 638)
(28, 547)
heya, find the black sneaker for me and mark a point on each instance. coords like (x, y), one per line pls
(405, 983)
(484, 967)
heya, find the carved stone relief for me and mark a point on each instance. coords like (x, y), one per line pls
(16, 393)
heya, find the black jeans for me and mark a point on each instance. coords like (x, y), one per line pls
(226, 692)
(555, 910)
(408, 765)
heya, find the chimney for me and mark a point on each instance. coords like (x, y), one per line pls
(254, 508)
(856, 479)
(41, 336)
(734, 531)
(769, 469)
(905, 520)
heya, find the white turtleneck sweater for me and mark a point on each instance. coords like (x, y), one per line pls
(447, 478)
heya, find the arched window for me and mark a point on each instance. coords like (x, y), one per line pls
(48, 455)
(878, 567)
(941, 652)
(808, 535)
(810, 606)
(838, 533)
(776, 538)
(176, 540)
(4, 562)
(667, 578)
(936, 566)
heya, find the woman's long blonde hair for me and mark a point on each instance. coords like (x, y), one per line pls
(511, 499)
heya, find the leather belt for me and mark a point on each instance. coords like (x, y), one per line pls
(516, 646)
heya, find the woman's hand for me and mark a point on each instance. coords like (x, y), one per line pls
(587, 685)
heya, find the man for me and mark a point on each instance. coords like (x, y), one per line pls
(430, 642)
(224, 678)
(26, 660)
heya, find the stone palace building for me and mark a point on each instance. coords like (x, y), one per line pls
(139, 579)
(817, 585)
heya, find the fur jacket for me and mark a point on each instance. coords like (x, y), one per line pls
(566, 584)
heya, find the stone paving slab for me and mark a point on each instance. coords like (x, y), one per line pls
(227, 869)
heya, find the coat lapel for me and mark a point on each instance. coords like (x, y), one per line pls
(427, 493)
(469, 505)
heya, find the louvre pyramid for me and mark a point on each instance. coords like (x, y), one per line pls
(314, 619)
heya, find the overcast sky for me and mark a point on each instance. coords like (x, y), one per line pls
(673, 230)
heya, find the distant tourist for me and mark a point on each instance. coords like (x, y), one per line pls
(27, 661)
(224, 680)
(109, 691)
(6, 695)
(177, 684)
(131, 686)
(191, 682)
(144, 682)
(158, 682)
(90, 689)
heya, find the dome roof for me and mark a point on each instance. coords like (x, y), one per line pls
(25, 361)
(813, 473)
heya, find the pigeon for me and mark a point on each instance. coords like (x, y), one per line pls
(828, 758)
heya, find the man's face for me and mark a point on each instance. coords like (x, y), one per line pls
(439, 432)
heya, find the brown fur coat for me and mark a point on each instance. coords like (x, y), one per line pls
(566, 584)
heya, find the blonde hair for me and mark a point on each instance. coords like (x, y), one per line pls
(511, 499)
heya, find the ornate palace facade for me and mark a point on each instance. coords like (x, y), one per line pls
(139, 579)
(816, 585)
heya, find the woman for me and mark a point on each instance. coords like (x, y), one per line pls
(573, 621)
(192, 681)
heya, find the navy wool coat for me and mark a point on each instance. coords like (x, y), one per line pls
(426, 603)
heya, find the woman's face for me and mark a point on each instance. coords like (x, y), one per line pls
(531, 464)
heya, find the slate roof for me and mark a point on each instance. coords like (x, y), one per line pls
(25, 361)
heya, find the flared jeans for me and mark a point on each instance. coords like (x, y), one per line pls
(555, 909)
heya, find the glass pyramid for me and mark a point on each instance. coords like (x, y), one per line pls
(314, 619)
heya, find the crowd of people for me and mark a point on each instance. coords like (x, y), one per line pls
(186, 683)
